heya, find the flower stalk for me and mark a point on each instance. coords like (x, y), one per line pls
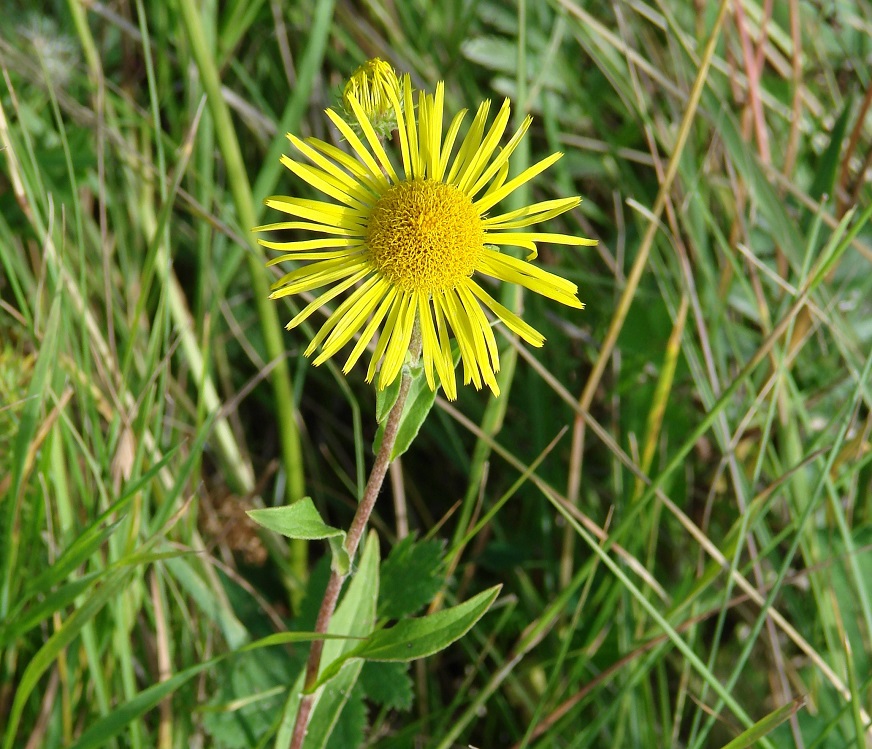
(352, 541)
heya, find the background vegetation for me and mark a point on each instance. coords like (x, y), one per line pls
(677, 489)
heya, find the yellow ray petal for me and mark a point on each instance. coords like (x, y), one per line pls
(399, 343)
(369, 331)
(412, 129)
(474, 309)
(402, 132)
(489, 200)
(328, 184)
(531, 214)
(352, 183)
(305, 226)
(512, 321)
(508, 268)
(372, 138)
(476, 324)
(429, 344)
(483, 153)
(469, 145)
(501, 160)
(450, 137)
(377, 182)
(449, 383)
(352, 316)
(304, 279)
(464, 338)
(355, 142)
(335, 318)
(387, 332)
(330, 255)
(310, 244)
(325, 297)
(320, 211)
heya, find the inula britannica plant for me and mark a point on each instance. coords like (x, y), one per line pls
(406, 248)
(408, 243)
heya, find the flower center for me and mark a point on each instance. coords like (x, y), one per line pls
(425, 235)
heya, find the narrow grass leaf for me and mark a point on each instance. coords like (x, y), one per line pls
(113, 724)
(27, 428)
(766, 725)
(49, 652)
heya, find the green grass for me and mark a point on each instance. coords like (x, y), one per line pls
(675, 493)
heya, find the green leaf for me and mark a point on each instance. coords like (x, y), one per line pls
(410, 577)
(350, 729)
(385, 400)
(411, 639)
(828, 168)
(215, 607)
(113, 583)
(99, 733)
(388, 683)
(22, 621)
(772, 207)
(417, 638)
(418, 404)
(302, 520)
(298, 520)
(249, 692)
(354, 618)
(28, 423)
(766, 725)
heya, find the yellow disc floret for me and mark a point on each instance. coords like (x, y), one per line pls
(425, 236)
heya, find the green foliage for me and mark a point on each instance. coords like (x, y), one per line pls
(388, 683)
(680, 560)
(410, 577)
(247, 699)
(301, 520)
(413, 638)
(418, 404)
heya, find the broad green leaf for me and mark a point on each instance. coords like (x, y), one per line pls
(411, 639)
(418, 638)
(766, 725)
(302, 520)
(385, 400)
(410, 577)
(248, 694)
(388, 683)
(354, 617)
(418, 404)
(298, 520)
(331, 701)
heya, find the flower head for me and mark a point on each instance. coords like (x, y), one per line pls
(370, 85)
(408, 243)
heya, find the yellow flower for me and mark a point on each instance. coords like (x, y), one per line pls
(370, 85)
(408, 243)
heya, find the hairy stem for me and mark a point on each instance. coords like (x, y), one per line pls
(352, 541)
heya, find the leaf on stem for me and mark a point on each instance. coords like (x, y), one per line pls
(302, 520)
